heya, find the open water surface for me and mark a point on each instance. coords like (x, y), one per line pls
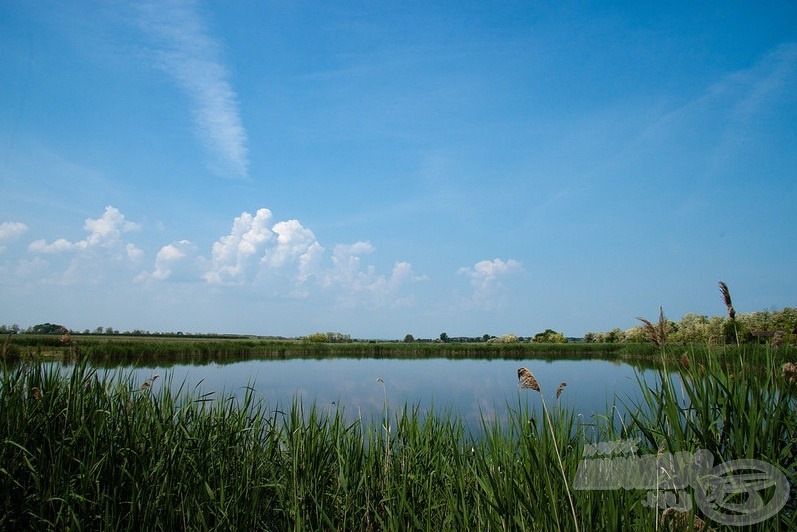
(471, 389)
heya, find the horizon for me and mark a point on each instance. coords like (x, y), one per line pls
(385, 170)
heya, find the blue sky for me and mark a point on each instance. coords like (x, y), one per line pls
(385, 168)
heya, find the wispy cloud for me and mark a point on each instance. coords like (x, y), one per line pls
(726, 108)
(186, 51)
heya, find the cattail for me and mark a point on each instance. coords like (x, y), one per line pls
(560, 389)
(726, 296)
(527, 380)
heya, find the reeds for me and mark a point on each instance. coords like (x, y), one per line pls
(726, 298)
(527, 380)
(84, 451)
(656, 334)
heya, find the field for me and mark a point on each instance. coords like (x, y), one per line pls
(82, 452)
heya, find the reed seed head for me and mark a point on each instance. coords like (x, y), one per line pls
(560, 389)
(789, 372)
(656, 333)
(726, 296)
(684, 361)
(672, 519)
(777, 340)
(526, 380)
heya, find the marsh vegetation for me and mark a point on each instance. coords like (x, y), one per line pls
(84, 451)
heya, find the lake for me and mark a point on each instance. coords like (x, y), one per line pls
(470, 388)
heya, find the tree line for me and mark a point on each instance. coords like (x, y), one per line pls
(760, 326)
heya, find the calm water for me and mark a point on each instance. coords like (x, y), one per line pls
(470, 388)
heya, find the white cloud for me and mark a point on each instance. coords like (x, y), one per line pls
(105, 231)
(282, 259)
(293, 241)
(11, 230)
(134, 253)
(58, 246)
(232, 254)
(187, 53)
(487, 281)
(362, 285)
(171, 257)
(292, 263)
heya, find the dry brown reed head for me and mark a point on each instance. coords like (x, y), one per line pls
(656, 333)
(777, 340)
(726, 296)
(37, 393)
(789, 372)
(147, 383)
(672, 519)
(527, 380)
(684, 361)
(560, 389)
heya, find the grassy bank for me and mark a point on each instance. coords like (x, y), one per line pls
(82, 452)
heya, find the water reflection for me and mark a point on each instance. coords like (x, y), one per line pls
(469, 388)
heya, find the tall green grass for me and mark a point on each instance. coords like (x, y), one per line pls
(83, 451)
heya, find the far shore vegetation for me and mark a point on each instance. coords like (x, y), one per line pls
(723, 335)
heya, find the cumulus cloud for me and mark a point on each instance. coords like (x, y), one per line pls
(103, 254)
(487, 281)
(10, 231)
(105, 231)
(285, 258)
(232, 255)
(179, 256)
(188, 53)
(360, 284)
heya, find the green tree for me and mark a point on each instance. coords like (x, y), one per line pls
(549, 336)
